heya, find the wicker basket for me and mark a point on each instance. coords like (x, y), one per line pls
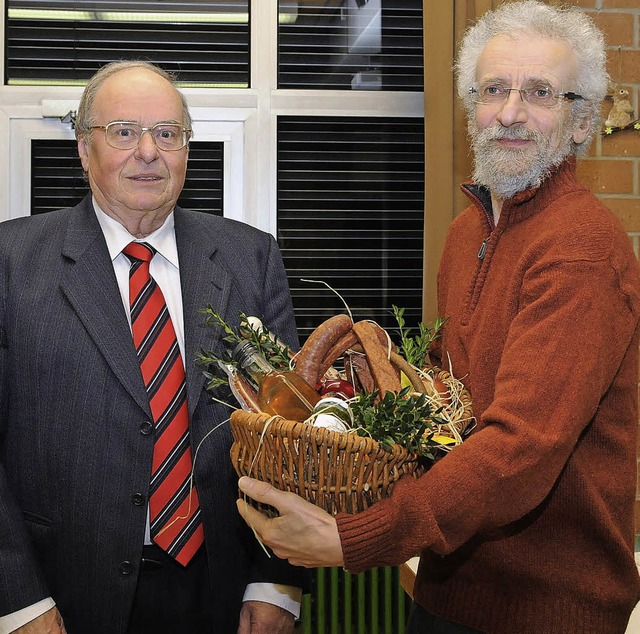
(336, 471)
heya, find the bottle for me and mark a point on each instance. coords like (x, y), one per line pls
(280, 392)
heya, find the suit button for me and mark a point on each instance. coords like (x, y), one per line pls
(137, 499)
(146, 428)
(126, 568)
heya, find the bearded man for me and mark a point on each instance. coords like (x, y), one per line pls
(527, 526)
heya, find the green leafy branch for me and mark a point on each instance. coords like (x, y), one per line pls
(415, 348)
(401, 418)
(276, 352)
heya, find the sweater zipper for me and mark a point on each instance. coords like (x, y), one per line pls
(483, 249)
(478, 281)
(490, 224)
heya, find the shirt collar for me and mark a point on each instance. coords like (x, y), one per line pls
(163, 240)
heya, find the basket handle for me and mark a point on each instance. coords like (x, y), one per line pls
(404, 366)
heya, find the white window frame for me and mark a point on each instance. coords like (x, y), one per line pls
(244, 119)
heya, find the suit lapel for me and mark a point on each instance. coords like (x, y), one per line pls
(90, 285)
(203, 282)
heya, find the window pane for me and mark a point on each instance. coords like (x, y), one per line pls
(60, 42)
(350, 213)
(352, 45)
(57, 179)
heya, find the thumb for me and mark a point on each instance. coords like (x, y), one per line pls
(262, 492)
(255, 489)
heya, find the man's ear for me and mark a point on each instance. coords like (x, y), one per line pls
(83, 152)
(581, 130)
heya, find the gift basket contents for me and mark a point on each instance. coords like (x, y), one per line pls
(343, 419)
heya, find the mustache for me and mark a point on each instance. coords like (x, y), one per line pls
(512, 133)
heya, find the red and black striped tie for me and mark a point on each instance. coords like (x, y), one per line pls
(174, 509)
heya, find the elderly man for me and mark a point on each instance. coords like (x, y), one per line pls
(103, 410)
(527, 526)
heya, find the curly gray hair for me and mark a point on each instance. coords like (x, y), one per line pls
(85, 117)
(564, 24)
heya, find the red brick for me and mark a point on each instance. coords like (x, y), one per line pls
(584, 4)
(607, 177)
(620, 4)
(617, 27)
(624, 65)
(594, 148)
(624, 143)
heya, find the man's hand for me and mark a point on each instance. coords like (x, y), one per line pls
(257, 617)
(48, 623)
(304, 533)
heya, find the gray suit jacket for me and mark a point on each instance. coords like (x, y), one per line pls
(74, 445)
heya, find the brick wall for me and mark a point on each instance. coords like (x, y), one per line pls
(612, 169)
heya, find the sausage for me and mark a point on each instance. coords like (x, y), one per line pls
(345, 342)
(315, 348)
(384, 374)
(358, 372)
(403, 365)
(382, 335)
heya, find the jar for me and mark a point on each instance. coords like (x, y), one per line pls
(332, 413)
(337, 387)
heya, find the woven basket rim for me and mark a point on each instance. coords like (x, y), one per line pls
(351, 441)
(338, 471)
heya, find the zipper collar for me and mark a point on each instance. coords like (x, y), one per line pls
(481, 197)
(559, 180)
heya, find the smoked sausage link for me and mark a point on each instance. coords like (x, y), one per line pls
(336, 351)
(315, 348)
(384, 374)
(359, 372)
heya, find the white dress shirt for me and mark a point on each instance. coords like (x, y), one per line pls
(165, 270)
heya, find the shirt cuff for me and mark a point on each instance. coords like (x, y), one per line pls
(13, 621)
(288, 598)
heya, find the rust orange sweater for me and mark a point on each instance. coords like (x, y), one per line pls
(527, 527)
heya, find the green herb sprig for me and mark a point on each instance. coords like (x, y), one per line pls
(273, 350)
(415, 349)
(401, 418)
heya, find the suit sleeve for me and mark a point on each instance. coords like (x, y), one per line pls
(21, 582)
(278, 308)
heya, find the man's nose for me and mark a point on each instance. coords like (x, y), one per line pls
(147, 148)
(514, 109)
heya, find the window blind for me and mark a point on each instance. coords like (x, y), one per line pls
(58, 42)
(57, 179)
(353, 45)
(350, 214)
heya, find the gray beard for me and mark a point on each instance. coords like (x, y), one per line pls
(507, 171)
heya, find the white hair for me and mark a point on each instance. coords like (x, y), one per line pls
(564, 24)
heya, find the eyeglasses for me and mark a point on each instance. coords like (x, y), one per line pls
(539, 95)
(125, 135)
